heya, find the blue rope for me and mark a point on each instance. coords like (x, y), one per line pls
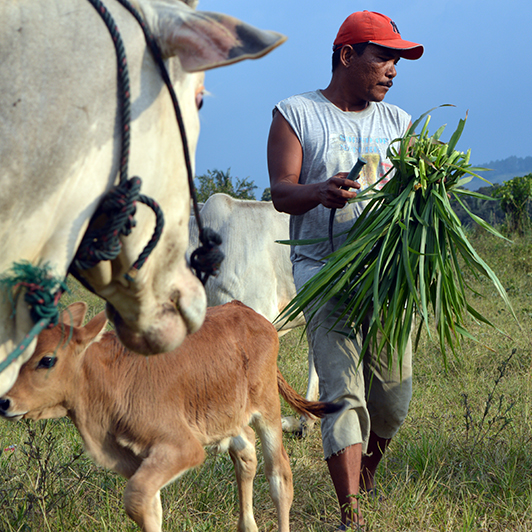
(37, 328)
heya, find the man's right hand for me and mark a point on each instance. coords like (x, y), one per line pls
(285, 157)
(335, 192)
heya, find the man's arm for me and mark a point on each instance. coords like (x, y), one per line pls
(285, 157)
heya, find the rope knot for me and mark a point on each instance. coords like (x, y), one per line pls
(43, 292)
(102, 241)
(43, 303)
(207, 259)
(121, 202)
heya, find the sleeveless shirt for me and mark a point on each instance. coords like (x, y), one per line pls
(332, 140)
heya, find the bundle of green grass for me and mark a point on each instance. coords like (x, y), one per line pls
(405, 254)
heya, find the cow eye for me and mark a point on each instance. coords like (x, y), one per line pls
(200, 94)
(199, 100)
(47, 362)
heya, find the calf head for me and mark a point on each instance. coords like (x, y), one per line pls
(165, 302)
(47, 381)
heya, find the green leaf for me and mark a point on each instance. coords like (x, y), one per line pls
(407, 251)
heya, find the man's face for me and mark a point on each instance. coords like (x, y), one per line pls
(371, 74)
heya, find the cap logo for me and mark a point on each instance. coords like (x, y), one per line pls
(394, 27)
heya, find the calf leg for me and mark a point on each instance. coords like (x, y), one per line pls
(313, 381)
(244, 456)
(276, 464)
(163, 465)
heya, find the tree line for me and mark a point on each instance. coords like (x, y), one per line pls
(217, 181)
(507, 205)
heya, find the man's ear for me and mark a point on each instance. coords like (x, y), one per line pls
(347, 54)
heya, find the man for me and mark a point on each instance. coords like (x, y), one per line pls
(315, 139)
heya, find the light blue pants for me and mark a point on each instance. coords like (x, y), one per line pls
(375, 397)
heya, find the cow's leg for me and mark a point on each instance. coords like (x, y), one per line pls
(312, 393)
(163, 465)
(276, 464)
(302, 426)
(244, 456)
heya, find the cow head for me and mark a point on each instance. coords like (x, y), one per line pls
(164, 302)
(47, 381)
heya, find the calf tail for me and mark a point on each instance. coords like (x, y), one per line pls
(300, 404)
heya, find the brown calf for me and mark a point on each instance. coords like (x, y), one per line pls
(150, 418)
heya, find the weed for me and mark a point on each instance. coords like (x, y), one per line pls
(495, 416)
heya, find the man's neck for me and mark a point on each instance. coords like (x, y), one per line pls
(340, 100)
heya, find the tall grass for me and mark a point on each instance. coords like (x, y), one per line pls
(461, 462)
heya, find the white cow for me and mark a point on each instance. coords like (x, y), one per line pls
(60, 149)
(256, 269)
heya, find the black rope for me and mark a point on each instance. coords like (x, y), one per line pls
(102, 242)
(206, 260)
(353, 175)
(208, 257)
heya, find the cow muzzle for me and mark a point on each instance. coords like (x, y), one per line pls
(6, 410)
(167, 328)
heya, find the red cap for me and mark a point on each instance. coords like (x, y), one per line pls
(368, 26)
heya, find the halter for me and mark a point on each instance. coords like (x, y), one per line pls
(353, 175)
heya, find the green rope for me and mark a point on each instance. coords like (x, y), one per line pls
(42, 294)
(37, 328)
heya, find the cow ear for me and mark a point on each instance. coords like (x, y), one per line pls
(205, 40)
(74, 314)
(94, 329)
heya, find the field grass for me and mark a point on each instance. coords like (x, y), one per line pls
(461, 462)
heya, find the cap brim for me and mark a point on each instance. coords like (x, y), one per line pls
(407, 49)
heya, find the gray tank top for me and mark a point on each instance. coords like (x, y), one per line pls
(332, 141)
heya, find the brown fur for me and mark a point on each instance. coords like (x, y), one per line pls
(150, 418)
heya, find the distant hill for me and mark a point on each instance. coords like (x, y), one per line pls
(502, 170)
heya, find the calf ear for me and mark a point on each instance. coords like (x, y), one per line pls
(74, 314)
(94, 329)
(205, 40)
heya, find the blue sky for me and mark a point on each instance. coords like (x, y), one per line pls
(477, 57)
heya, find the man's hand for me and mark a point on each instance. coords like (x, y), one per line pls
(335, 192)
(285, 158)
